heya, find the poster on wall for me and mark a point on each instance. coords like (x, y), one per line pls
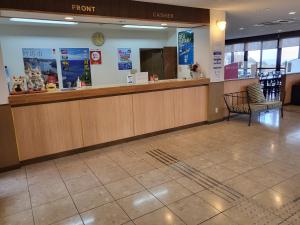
(40, 62)
(231, 71)
(75, 63)
(96, 57)
(217, 65)
(186, 47)
(124, 59)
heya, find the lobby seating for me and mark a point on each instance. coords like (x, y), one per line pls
(250, 102)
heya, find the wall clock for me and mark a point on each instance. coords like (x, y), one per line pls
(98, 39)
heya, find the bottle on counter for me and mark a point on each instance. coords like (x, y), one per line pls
(78, 83)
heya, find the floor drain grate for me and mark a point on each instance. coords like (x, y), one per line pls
(207, 182)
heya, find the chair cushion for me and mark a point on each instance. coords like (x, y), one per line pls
(242, 108)
(272, 104)
(257, 107)
(255, 93)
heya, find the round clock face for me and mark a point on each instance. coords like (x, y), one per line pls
(98, 39)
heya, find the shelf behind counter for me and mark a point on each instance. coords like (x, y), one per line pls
(48, 124)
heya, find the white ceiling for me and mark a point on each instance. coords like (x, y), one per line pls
(246, 13)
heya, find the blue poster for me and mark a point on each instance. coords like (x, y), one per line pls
(75, 63)
(186, 47)
(124, 59)
(41, 61)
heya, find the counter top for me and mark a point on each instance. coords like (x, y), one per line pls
(94, 92)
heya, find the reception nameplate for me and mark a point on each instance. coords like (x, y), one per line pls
(113, 8)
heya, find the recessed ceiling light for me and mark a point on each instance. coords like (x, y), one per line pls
(292, 13)
(242, 28)
(25, 20)
(69, 18)
(164, 24)
(267, 9)
(145, 27)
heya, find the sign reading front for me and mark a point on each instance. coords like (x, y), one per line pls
(84, 8)
(124, 9)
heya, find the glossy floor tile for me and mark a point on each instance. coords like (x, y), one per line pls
(220, 174)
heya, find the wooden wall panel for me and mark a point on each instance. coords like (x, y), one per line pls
(47, 129)
(290, 80)
(8, 146)
(216, 104)
(231, 86)
(190, 105)
(153, 111)
(106, 119)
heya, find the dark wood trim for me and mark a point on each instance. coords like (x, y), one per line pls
(123, 9)
(63, 96)
(263, 37)
(108, 144)
(10, 168)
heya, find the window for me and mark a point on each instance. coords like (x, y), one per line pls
(238, 57)
(254, 55)
(289, 54)
(227, 60)
(290, 50)
(228, 55)
(269, 58)
(269, 55)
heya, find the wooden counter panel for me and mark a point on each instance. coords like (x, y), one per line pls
(191, 105)
(48, 97)
(47, 129)
(153, 111)
(106, 119)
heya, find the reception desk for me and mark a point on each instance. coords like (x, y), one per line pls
(51, 123)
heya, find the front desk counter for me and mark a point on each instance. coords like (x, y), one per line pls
(55, 122)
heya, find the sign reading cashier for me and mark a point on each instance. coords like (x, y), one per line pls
(84, 8)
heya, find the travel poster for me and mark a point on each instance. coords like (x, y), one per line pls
(186, 47)
(41, 61)
(124, 59)
(75, 63)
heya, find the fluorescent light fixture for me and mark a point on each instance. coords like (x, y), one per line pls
(69, 18)
(145, 27)
(242, 28)
(164, 24)
(24, 20)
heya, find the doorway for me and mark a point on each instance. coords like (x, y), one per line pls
(159, 61)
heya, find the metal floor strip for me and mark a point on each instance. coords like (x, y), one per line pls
(289, 214)
(206, 182)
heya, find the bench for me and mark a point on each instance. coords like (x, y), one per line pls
(250, 102)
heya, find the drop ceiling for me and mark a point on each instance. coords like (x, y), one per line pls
(245, 17)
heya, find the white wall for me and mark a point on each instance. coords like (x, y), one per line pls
(14, 38)
(3, 85)
(217, 41)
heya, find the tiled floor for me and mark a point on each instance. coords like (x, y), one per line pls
(225, 173)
